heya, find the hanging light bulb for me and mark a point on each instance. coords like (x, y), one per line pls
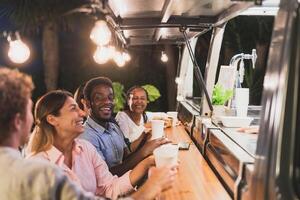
(179, 98)
(126, 56)
(178, 80)
(119, 59)
(100, 34)
(164, 57)
(18, 51)
(102, 55)
(112, 51)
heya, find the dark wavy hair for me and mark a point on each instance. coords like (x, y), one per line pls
(78, 95)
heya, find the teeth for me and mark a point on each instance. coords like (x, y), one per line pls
(106, 109)
(79, 122)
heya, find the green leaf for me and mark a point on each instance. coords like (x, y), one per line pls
(153, 92)
(220, 96)
(118, 96)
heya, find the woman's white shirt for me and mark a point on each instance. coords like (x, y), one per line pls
(130, 129)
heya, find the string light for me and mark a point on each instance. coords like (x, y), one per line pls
(179, 98)
(178, 80)
(18, 51)
(102, 55)
(164, 57)
(126, 56)
(100, 34)
(119, 59)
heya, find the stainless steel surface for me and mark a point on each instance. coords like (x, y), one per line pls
(187, 114)
(200, 132)
(227, 159)
(212, 64)
(265, 181)
(158, 21)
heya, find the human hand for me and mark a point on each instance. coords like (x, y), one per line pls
(148, 162)
(249, 129)
(159, 180)
(163, 177)
(149, 146)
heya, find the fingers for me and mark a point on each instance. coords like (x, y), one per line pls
(249, 129)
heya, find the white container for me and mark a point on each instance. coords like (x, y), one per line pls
(173, 115)
(166, 155)
(157, 129)
(233, 121)
(241, 101)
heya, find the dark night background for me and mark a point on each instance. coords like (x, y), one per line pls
(77, 64)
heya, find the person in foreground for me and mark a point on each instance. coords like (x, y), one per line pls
(105, 135)
(59, 121)
(24, 179)
(34, 179)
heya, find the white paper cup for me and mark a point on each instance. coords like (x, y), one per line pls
(241, 101)
(166, 155)
(174, 117)
(157, 129)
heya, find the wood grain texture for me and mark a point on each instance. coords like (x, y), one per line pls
(195, 179)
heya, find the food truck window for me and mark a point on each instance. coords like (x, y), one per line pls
(201, 53)
(242, 34)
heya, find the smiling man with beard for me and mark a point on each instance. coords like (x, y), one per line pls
(102, 131)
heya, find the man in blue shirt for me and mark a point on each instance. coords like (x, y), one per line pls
(103, 132)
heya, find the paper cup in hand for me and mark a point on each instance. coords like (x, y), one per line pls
(166, 155)
(157, 127)
(241, 101)
(174, 117)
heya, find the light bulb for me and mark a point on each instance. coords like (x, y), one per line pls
(118, 57)
(126, 56)
(102, 55)
(18, 52)
(179, 98)
(112, 51)
(178, 80)
(100, 34)
(164, 57)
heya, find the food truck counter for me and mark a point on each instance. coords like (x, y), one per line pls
(195, 179)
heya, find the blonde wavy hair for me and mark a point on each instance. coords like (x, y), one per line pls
(43, 134)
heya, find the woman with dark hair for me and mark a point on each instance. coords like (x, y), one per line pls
(79, 98)
(59, 122)
(133, 118)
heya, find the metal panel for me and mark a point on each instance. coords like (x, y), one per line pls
(264, 184)
(149, 14)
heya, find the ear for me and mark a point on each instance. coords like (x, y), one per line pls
(51, 119)
(17, 123)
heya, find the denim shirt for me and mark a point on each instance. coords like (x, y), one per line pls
(109, 142)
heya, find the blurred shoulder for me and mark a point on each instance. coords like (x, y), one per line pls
(121, 115)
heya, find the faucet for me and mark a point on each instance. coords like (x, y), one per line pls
(239, 77)
(241, 72)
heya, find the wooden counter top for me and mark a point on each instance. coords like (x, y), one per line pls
(195, 179)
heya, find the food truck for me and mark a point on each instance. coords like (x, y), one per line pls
(244, 145)
(240, 165)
